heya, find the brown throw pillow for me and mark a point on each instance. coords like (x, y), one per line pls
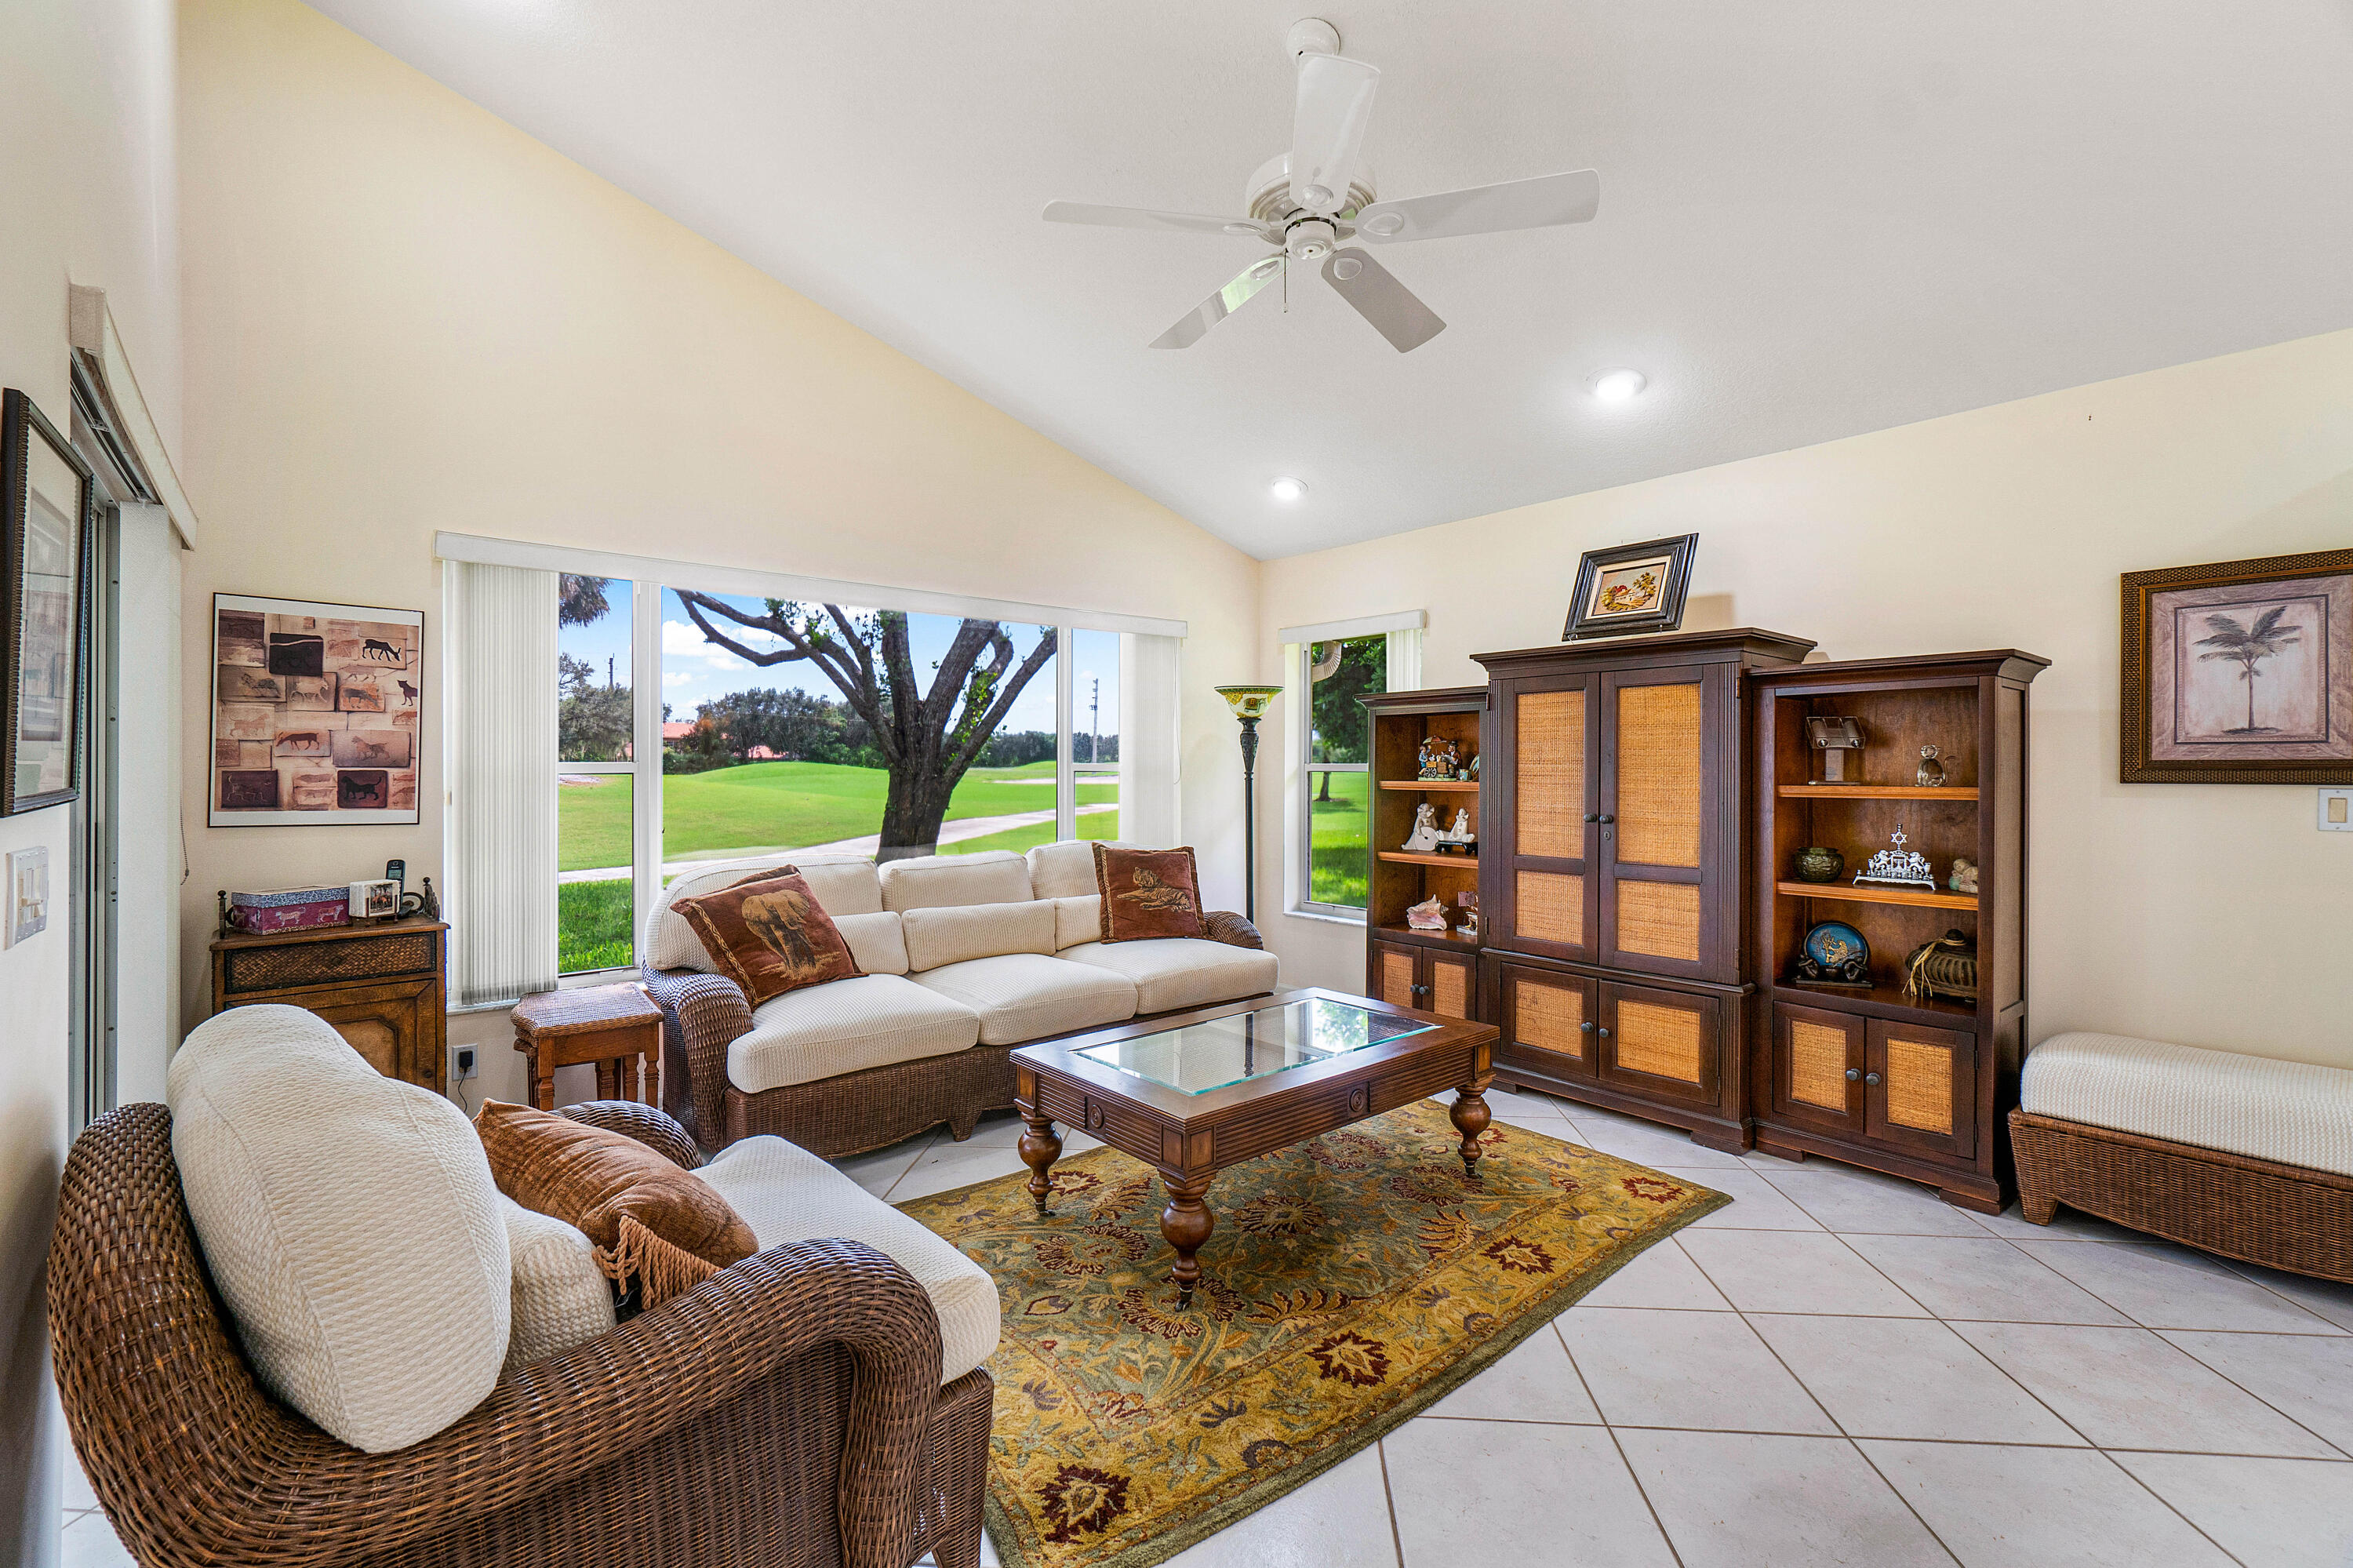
(769, 934)
(1147, 892)
(649, 1219)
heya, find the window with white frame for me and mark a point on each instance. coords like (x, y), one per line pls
(694, 726)
(1336, 800)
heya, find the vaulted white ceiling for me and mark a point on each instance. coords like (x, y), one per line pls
(1816, 219)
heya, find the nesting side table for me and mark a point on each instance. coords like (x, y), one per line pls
(616, 1027)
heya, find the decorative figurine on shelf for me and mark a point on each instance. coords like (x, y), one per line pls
(1932, 771)
(1428, 914)
(1946, 968)
(1898, 867)
(1835, 737)
(1437, 759)
(1423, 840)
(1818, 864)
(1460, 839)
(1470, 771)
(1964, 874)
(1834, 954)
(1470, 905)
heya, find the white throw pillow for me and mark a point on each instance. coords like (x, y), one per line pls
(561, 1297)
(349, 1221)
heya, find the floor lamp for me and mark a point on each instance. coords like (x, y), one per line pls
(1249, 704)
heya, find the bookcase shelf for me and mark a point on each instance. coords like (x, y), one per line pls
(1917, 898)
(1957, 794)
(1458, 786)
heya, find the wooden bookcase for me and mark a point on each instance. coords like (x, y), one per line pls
(1913, 1086)
(1436, 971)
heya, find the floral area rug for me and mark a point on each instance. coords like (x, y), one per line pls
(1351, 1280)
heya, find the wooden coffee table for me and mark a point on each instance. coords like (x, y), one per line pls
(1191, 1094)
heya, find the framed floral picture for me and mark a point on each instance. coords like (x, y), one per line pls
(1630, 588)
(2240, 672)
(45, 528)
(315, 713)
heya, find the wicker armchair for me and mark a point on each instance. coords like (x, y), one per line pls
(702, 1014)
(786, 1411)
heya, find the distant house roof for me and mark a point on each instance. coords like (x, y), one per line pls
(677, 729)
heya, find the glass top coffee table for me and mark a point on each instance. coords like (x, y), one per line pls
(1194, 1093)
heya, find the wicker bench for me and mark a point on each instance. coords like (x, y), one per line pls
(2242, 1156)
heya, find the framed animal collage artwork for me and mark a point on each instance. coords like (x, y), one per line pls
(316, 709)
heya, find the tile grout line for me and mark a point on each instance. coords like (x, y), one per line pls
(2239, 1268)
(1615, 1442)
(1397, 1536)
(2167, 1503)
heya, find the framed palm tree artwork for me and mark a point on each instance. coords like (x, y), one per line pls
(2240, 672)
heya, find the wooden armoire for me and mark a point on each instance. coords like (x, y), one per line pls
(1616, 837)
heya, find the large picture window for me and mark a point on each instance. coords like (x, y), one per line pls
(1332, 838)
(779, 725)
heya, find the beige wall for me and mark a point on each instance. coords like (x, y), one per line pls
(405, 315)
(87, 185)
(2211, 915)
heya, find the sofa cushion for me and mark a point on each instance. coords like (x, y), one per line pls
(349, 1221)
(846, 1027)
(1026, 996)
(961, 931)
(1077, 920)
(790, 1195)
(1180, 972)
(2292, 1112)
(875, 940)
(1066, 868)
(842, 884)
(931, 882)
(769, 935)
(1148, 894)
(560, 1297)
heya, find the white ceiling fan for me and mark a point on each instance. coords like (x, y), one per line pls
(1310, 202)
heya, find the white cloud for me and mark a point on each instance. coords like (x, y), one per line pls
(681, 641)
(675, 677)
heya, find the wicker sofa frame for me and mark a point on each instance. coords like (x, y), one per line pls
(852, 1113)
(2257, 1211)
(787, 1411)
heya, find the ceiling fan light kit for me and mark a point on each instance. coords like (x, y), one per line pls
(1312, 201)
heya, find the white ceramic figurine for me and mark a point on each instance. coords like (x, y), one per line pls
(1423, 840)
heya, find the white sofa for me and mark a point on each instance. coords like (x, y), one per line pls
(964, 957)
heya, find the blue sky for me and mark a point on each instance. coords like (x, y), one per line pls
(695, 669)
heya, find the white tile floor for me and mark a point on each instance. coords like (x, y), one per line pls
(1837, 1368)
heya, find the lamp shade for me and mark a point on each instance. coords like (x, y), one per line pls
(1250, 701)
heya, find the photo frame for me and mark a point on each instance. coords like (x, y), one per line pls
(1630, 588)
(46, 499)
(2239, 672)
(317, 714)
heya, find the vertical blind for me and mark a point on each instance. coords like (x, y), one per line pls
(502, 759)
(1148, 703)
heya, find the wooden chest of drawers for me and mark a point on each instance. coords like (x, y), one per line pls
(381, 987)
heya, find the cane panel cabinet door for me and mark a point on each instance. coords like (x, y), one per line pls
(1546, 1021)
(1537, 893)
(1417, 977)
(1666, 857)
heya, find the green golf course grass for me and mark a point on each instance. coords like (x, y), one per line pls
(788, 804)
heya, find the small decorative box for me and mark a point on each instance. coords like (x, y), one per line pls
(289, 909)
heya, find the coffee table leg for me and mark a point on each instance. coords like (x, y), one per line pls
(1470, 1115)
(1040, 1150)
(1185, 1224)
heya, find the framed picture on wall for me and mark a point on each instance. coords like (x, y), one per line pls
(45, 528)
(316, 709)
(1630, 588)
(2240, 672)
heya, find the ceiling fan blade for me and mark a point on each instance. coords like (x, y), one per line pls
(1539, 203)
(1381, 299)
(1327, 131)
(1145, 218)
(1221, 304)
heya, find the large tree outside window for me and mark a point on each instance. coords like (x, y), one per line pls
(927, 733)
(1338, 739)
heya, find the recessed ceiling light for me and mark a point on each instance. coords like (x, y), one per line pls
(1288, 489)
(1619, 386)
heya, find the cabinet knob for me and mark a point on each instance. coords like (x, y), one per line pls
(1418, 990)
(1587, 1026)
(1604, 1034)
(1592, 816)
(1605, 817)
(1871, 1077)
(1853, 1074)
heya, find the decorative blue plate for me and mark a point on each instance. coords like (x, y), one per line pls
(1833, 942)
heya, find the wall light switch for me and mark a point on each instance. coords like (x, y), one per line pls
(2336, 810)
(27, 893)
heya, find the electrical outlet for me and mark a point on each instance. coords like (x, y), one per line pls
(461, 1062)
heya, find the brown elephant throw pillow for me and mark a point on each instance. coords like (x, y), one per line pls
(1147, 892)
(769, 935)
